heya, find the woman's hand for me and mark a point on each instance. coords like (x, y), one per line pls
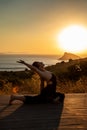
(21, 61)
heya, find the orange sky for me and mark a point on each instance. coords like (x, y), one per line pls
(30, 26)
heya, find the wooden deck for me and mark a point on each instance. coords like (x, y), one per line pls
(71, 115)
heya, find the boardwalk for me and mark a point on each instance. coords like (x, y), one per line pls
(71, 115)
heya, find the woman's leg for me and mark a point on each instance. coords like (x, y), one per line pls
(26, 99)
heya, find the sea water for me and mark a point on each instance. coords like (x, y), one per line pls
(8, 62)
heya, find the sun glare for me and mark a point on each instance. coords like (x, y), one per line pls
(73, 39)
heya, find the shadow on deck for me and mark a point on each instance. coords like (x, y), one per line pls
(30, 117)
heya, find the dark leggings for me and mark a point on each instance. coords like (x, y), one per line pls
(41, 99)
(35, 99)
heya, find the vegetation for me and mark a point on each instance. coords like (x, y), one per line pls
(71, 78)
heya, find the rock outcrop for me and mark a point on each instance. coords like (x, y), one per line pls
(68, 56)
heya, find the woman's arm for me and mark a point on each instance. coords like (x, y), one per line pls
(28, 65)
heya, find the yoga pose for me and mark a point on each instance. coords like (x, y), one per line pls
(47, 93)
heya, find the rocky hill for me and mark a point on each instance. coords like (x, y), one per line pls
(68, 56)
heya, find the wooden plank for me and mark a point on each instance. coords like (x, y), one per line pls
(70, 115)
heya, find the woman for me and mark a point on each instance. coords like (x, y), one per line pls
(48, 93)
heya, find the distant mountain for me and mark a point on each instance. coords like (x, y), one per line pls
(68, 56)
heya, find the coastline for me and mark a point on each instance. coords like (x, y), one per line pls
(8, 61)
(69, 80)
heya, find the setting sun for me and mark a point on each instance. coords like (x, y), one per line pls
(73, 38)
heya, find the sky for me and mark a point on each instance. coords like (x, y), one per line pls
(30, 26)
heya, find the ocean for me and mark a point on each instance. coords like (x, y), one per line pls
(9, 62)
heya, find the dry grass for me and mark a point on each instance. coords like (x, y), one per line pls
(73, 87)
(31, 86)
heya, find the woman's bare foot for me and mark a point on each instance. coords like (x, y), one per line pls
(56, 100)
(59, 99)
(11, 99)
